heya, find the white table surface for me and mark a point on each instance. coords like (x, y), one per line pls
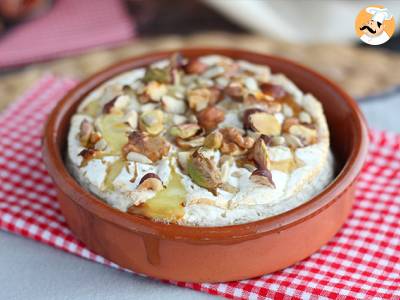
(30, 270)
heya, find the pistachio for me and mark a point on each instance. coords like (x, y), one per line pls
(204, 172)
(273, 90)
(150, 181)
(85, 130)
(263, 177)
(265, 123)
(157, 74)
(200, 98)
(304, 117)
(185, 131)
(246, 116)
(152, 122)
(154, 147)
(134, 156)
(307, 135)
(195, 66)
(210, 117)
(293, 141)
(155, 91)
(214, 140)
(190, 144)
(260, 154)
(173, 105)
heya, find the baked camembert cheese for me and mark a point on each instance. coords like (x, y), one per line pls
(207, 141)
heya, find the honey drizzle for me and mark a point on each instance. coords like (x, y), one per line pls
(166, 205)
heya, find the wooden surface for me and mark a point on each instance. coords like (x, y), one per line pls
(360, 71)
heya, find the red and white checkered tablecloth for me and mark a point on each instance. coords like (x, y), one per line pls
(361, 262)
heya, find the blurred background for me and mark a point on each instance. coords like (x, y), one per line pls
(76, 38)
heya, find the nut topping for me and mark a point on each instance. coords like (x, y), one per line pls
(233, 135)
(260, 155)
(265, 123)
(150, 181)
(293, 141)
(204, 172)
(246, 116)
(214, 140)
(273, 90)
(157, 74)
(263, 177)
(190, 144)
(307, 135)
(200, 98)
(85, 132)
(210, 117)
(289, 122)
(154, 147)
(235, 91)
(152, 122)
(195, 66)
(185, 131)
(305, 117)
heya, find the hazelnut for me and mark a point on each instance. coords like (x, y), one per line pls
(246, 116)
(195, 66)
(210, 117)
(273, 90)
(150, 181)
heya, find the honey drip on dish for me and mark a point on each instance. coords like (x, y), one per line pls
(286, 165)
(289, 101)
(114, 131)
(167, 204)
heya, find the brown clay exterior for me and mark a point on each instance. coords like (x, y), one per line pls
(213, 254)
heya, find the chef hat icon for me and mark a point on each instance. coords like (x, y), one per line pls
(379, 14)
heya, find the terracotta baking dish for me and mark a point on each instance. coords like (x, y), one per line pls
(215, 253)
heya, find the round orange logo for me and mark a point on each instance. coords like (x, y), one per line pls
(374, 25)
